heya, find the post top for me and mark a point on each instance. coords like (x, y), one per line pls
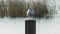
(31, 20)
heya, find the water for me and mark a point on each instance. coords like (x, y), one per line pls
(43, 26)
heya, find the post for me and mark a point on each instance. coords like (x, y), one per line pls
(30, 27)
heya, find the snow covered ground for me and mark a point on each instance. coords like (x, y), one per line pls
(12, 26)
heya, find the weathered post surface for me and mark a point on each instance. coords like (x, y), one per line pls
(30, 26)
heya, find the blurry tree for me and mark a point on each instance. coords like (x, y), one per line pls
(40, 9)
(2, 9)
(17, 9)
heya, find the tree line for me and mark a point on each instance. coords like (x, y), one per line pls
(19, 9)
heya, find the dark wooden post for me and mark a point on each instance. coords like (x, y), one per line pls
(30, 27)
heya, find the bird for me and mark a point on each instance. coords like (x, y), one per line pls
(30, 12)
